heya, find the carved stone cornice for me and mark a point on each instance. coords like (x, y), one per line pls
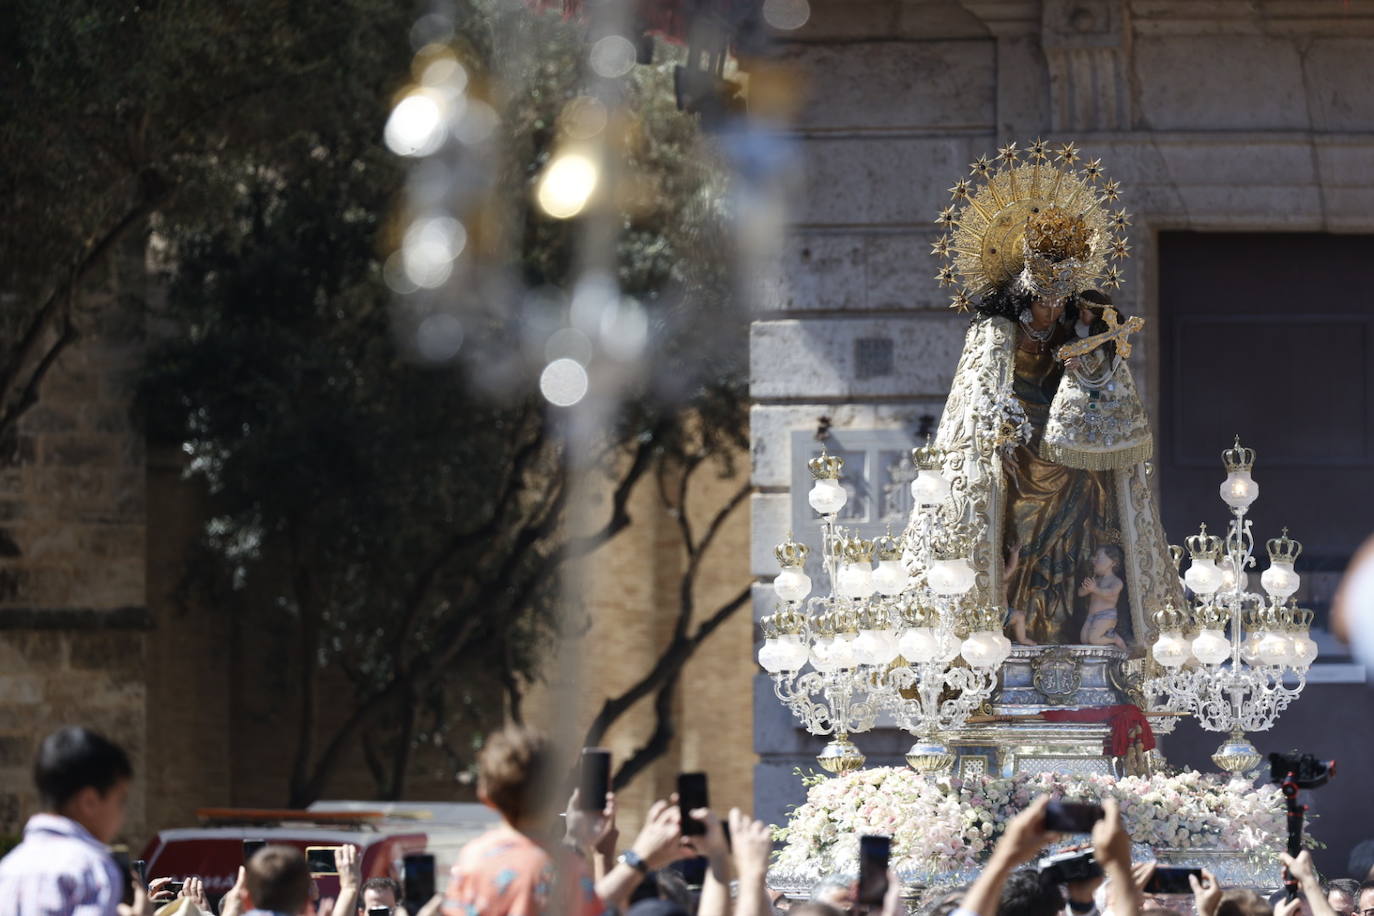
(1087, 45)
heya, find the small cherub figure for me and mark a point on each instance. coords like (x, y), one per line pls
(1105, 586)
(1016, 619)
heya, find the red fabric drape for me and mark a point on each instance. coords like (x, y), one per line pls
(1123, 719)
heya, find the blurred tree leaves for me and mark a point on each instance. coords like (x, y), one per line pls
(409, 524)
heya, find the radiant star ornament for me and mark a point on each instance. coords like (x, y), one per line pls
(1033, 216)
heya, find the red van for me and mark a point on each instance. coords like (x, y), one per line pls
(384, 832)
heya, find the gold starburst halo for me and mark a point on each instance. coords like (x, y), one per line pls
(985, 245)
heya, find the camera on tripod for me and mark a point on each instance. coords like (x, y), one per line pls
(1292, 772)
(1307, 771)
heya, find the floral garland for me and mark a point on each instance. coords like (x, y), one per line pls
(942, 827)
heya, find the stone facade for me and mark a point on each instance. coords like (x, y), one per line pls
(1215, 115)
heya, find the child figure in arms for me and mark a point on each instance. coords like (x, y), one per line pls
(1105, 586)
(1016, 619)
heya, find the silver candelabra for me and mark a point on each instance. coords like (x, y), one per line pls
(1241, 682)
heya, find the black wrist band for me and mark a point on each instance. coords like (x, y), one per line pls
(1077, 907)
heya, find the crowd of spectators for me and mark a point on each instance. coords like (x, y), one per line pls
(541, 860)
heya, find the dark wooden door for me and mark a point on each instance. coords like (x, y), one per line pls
(1269, 336)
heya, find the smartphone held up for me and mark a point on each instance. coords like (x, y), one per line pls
(874, 854)
(692, 795)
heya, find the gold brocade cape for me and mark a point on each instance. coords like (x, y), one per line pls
(978, 427)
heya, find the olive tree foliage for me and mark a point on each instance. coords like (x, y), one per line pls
(110, 112)
(410, 525)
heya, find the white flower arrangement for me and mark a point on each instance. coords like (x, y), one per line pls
(945, 827)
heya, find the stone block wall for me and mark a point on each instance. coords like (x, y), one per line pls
(73, 615)
(1225, 115)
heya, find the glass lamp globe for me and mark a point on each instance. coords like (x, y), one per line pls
(950, 577)
(1203, 576)
(855, 580)
(827, 497)
(982, 650)
(930, 488)
(1280, 580)
(820, 654)
(1249, 650)
(792, 652)
(792, 584)
(1228, 577)
(771, 656)
(1239, 490)
(1004, 646)
(842, 654)
(1211, 647)
(1275, 648)
(1171, 649)
(890, 578)
(918, 645)
(1304, 651)
(876, 647)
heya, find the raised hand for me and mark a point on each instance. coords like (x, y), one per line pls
(1206, 893)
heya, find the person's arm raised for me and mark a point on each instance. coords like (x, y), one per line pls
(715, 889)
(1112, 848)
(753, 845)
(1024, 837)
(657, 845)
(1302, 869)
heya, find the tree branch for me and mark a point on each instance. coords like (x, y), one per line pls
(55, 311)
(659, 741)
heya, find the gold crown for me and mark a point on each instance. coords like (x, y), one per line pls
(825, 466)
(1211, 617)
(855, 550)
(822, 625)
(951, 547)
(887, 547)
(1028, 206)
(1057, 235)
(916, 614)
(845, 619)
(1283, 549)
(1238, 458)
(1176, 554)
(1203, 545)
(1303, 617)
(786, 622)
(984, 617)
(928, 457)
(790, 553)
(1170, 617)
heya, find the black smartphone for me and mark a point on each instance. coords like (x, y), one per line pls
(1167, 880)
(120, 854)
(141, 872)
(321, 860)
(691, 795)
(595, 781)
(874, 852)
(417, 876)
(1072, 816)
(174, 886)
(250, 848)
(379, 911)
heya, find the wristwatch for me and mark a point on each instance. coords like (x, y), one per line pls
(631, 858)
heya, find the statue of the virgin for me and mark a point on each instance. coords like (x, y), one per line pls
(1043, 433)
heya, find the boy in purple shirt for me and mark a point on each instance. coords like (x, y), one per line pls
(63, 868)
